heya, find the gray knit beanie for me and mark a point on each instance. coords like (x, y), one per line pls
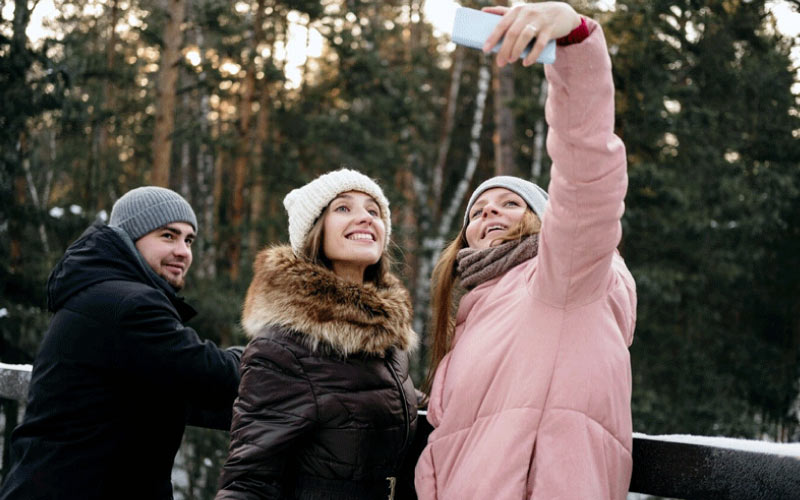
(534, 196)
(148, 208)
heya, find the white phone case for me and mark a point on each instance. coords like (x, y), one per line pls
(472, 27)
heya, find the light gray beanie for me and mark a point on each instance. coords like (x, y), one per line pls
(305, 204)
(534, 196)
(148, 208)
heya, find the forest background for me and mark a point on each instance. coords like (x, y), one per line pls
(210, 98)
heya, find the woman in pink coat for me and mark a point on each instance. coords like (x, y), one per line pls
(531, 384)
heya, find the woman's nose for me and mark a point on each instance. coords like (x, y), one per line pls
(363, 215)
(488, 209)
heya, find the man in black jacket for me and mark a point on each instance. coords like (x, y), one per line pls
(118, 373)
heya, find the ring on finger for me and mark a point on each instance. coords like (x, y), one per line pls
(531, 27)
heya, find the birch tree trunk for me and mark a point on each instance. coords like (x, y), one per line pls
(166, 92)
(484, 75)
(432, 245)
(39, 202)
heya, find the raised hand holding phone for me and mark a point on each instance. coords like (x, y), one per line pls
(472, 28)
(541, 23)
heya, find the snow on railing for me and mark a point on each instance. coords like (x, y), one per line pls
(682, 466)
(769, 447)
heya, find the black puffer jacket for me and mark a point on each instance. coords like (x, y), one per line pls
(114, 379)
(326, 408)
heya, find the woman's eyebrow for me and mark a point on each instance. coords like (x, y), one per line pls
(508, 195)
(350, 197)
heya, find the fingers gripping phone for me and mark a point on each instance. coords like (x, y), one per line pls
(472, 27)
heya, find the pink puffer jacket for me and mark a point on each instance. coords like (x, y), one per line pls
(534, 399)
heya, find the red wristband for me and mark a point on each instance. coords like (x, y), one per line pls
(577, 35)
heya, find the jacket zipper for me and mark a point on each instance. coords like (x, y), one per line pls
(405, 402)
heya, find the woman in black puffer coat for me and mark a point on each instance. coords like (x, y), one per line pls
(326, 408)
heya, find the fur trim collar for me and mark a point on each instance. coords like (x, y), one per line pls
(311, 300)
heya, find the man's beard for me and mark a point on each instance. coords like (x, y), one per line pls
(176, 283)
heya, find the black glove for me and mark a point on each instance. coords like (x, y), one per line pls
(237, 351)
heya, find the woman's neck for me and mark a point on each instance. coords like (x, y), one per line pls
(349, 272)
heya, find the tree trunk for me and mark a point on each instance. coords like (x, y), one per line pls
(105, 139)
(166, 92)
(414, 27)
(243, 148)
(186, 158)
(15, 228)
(51, 138)
(539, 132)
(408, 224)
(206, 268)
(432, 246)
(304, 79)
(36, 200)
(484, 76)
(408, 238)
(503, 137)
(257, 191)
(447, 130)
(13, 184)
(108, 87)
(215, 235)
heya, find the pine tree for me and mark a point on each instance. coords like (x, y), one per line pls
(704, 103)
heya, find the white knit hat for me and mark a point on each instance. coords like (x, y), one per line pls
(305, 204)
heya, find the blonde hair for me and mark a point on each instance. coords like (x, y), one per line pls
(313, 252)
(443, 289)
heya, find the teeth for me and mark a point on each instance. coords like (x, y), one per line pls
(360, 236)
(492, 228)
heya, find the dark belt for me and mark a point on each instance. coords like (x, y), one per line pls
(317, 487)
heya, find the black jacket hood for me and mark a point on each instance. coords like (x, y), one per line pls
(105, 253)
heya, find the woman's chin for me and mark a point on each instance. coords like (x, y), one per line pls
(361, 258)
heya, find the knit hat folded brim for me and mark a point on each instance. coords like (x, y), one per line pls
(305, 204)
(147, 208)
(534, 196)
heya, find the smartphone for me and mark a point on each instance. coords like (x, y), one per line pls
(472, 27)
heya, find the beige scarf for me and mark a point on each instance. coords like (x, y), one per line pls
(478, 266)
